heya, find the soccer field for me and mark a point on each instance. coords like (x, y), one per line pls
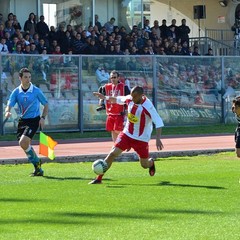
(188, 198)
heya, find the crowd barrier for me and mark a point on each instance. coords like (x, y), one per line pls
(186, 90)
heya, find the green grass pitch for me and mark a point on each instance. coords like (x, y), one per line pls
(188, 198)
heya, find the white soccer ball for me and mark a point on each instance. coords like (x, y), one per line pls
(99, 167)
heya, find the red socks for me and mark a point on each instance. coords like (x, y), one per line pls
(99, 177)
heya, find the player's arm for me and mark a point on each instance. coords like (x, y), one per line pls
(11, 102)
(8, 112)
(101, 96)
(118, 99)
(45, 111)
(102, 90)
(157, 120)
(44, 102)
(159, 144)
(43, 116)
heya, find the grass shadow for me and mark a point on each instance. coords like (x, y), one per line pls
(185, 211)
(105, 215)
(65, 178)
(115, 186)
(169, 184)
(123, 185)
(72, 178)
(164, 183)
(42, 221)
(19, 200)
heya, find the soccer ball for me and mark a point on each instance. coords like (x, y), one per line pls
(99, 167)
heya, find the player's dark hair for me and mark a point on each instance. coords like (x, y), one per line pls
(137, 89)
(23, 70)
(115, 72)
(236, 103)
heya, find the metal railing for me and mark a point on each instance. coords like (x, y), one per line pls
(219, 48)
(228, 38)
(223, 35)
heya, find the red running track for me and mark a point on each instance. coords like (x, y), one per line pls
(102, 146)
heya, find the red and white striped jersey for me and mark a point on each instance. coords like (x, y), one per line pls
(140, 118)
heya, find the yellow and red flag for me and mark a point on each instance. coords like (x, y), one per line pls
(46, 146)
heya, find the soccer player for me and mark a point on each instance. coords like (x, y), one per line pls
(115, 112)
(28, 97)
(236, 110)
(137, 131)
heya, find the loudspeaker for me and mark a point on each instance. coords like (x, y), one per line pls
(199, 12)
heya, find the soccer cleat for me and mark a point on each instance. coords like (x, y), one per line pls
(152, 169)
(38, 172)
(95, 181)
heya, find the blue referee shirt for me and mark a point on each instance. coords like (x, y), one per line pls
(28, 102)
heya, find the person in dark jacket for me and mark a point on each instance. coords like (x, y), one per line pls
(42, 29)
(30, 25)
(183, 31)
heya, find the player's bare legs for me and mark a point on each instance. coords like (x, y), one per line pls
(115, 152)
(148, 163)
(25, 144)
(114, 135)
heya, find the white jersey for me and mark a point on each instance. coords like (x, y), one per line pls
(140, 118)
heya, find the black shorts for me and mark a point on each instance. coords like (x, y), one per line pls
(27, 127)
(237, 137)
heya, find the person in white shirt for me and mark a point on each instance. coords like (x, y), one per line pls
(102, 75)
(109, 26)
(137, 131)
(3, 46)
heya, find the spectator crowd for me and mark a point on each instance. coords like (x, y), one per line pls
(36, 37)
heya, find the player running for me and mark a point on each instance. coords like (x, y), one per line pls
(137, 131)
(28, 98)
